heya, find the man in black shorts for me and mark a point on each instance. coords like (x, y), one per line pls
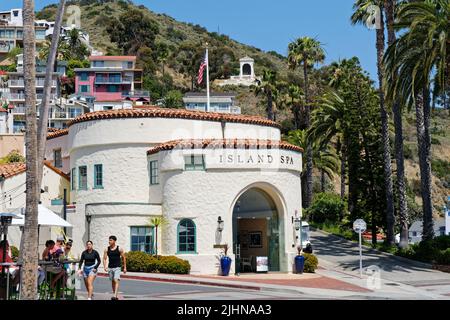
(113, 253)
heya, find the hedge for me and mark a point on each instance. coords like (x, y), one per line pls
(138, 261)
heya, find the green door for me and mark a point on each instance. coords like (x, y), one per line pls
(273, 235)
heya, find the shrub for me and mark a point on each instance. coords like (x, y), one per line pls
(311, 263)
(326, 207)
(174, 265)
(14, 252)
(444, 257)
(442, 242)
(137, 261)
(142, 262)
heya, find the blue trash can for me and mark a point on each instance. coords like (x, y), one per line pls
(299, 264)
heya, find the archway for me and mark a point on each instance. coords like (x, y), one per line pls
(256, 231)
(246, 70)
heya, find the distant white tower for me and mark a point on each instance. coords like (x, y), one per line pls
(247, 69)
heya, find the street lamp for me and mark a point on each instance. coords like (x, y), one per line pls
(297, 224)
(220, 224)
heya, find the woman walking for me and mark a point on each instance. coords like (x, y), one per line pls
(91, 260)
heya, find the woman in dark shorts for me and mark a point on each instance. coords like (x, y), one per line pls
(91, 260)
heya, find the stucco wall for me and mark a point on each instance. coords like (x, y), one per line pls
(10, 142)
(159, 130)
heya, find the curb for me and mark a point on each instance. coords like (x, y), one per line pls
(370, 249)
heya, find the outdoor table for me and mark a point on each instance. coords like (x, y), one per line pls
(6, 266)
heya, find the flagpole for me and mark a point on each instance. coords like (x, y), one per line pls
(207, 79)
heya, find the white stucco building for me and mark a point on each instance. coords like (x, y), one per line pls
(192, 168)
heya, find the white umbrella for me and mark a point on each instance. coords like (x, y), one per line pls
(46, 217)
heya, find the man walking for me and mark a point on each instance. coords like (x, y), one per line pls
(113, 253)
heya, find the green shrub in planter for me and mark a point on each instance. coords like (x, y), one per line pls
(311, 263)
(138, 261)
(173, 265)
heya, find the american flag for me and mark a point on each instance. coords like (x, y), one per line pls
(201, 71)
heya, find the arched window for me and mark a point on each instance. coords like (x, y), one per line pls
(246, 70)
(186, 236)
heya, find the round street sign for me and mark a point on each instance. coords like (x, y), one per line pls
(359, 225)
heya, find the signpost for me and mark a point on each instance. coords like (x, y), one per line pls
(360, 226)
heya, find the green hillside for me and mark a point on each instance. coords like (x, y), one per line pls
(184, 44)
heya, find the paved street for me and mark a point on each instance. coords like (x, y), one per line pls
(154, 290)
(339, 256)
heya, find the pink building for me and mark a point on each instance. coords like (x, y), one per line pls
(112, 82)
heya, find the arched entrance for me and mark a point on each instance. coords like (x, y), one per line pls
(256, 231)
(246, 70)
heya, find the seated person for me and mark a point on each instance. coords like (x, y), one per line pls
(52, 253)
(8, 259)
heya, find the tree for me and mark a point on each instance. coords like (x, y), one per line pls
(362, 12)
(163, 52)
(390, 6)
(349, 118)
(267, 87)
(173, 99)
(13, 157)
(325, 158)
(306, 52)
(157, 222)
(29, 248)
(295, 100)
(132, 31)
(417, 63)
(77, 47)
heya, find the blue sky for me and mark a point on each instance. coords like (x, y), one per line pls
(269, 24)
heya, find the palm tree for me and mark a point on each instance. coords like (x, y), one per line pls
(390, 6)
(416, 61)
(162, 54)
(294, 99)
(328, 122)
(29, 249)
(268, 86)
(325, 158)
(306, 52)
(362, 13)
(78, 48)
(45, 105)
(63, 51)
(157, 222)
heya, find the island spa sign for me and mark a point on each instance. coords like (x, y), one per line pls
(263, 158)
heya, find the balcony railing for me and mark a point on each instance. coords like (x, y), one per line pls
(21, 83)
(100, 80)
(136, 94)
(21, 96)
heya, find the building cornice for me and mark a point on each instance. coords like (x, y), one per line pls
(156, 112)
(224, 144)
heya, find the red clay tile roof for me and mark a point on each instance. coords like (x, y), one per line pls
(11, 169)
(56, 170)
(57, 134)
(224, 143)
(156, 112)
(111, 58)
